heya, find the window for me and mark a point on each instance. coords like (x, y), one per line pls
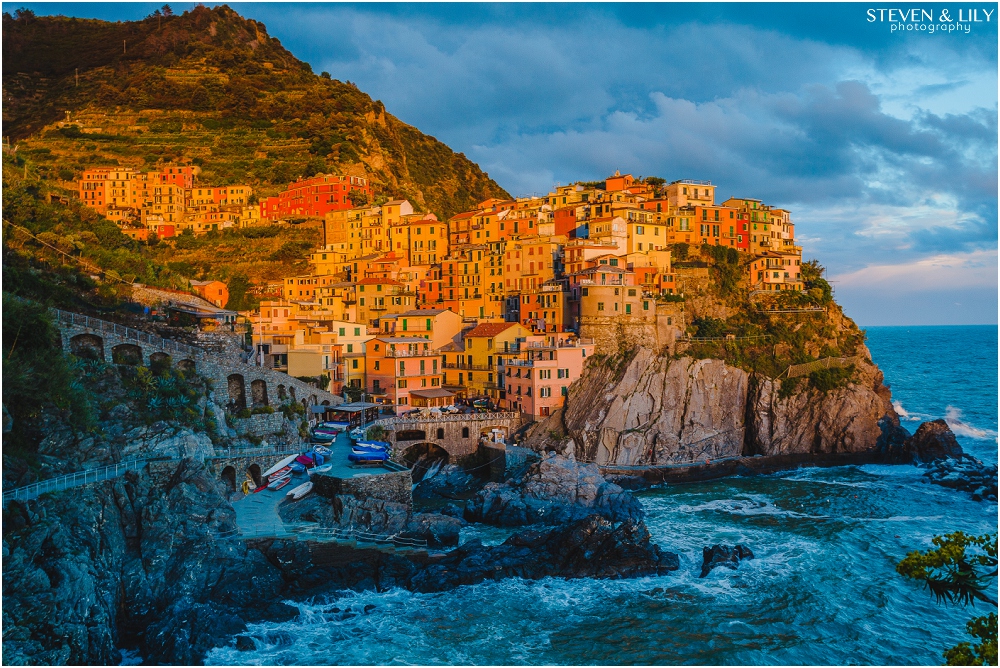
(342, 330)
(645, 306)
(350, 347)
(376, 365)
(440, 433)
(354, 364)
(465, 432)
(362, 301)
(631, 292)
(628, 308)
(600, 306)
(638, 229)
(401, 384)
(357, 331)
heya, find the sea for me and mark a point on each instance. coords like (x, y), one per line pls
(821, 590)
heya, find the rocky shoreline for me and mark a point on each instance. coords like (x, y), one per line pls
(133, 563)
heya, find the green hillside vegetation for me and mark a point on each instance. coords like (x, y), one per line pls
(211, 88)
(53, 248)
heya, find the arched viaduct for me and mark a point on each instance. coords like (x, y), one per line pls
(458, 436)
(238, 386)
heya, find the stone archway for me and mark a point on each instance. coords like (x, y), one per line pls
(186, 365)
(229, 478)
(87, 346)
(258, 393)
(282, 394)
(127, 354)
(291, 392)
(159, 362)
(237, 392)
(254, 471)
(424, 457)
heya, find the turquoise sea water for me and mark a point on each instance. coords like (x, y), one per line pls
(821, 590)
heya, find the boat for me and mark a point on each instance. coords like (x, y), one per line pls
(279, 482)
(300, 491)
(305, 460)
(298, 468)
(323, 435)
(280, 465)
(322, 450)
(373, 445)
(368, 456)
(358, 433)
(259, 489)
(320, 469)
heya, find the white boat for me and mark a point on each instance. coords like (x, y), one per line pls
(300, 491)
(320, 469)
(280, 465)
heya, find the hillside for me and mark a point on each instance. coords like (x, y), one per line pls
(212, 88)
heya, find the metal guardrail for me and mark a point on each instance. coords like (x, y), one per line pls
(447, 417)
(72, 480)
(229, 453)
(124, 332)
(825, 363)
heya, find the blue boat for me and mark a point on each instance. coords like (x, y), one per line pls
(373, 445)
(368, 456)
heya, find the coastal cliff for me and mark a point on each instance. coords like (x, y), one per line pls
(663, 410)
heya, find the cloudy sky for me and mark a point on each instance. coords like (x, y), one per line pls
(883, 144)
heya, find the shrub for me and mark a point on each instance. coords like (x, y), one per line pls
(262, 410)
(243, 413)
(825, 380)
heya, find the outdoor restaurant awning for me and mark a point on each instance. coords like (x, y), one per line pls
(433, 393)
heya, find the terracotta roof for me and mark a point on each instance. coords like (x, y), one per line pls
(490, 329)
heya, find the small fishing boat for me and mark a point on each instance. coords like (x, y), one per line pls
(322, 450)
(279, 482)
(373, 445)
(305, 460)
(280, 465)
(300, 491)
(324, 436)
(298, 468)
(358, 433)
(368, 456)
(321, 469)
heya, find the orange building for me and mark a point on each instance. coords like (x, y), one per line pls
(397, 365)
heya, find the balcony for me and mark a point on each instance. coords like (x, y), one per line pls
(411, 353)
(468, 367)
(377, 307)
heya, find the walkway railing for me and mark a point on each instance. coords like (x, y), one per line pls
(72, 480)
(127, 333)
(447, 417)
(826, 363)
(229, 453)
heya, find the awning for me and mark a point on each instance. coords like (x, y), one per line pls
(434, 393)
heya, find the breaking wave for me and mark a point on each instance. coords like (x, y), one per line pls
(953, 418)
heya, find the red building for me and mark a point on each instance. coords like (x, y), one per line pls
(182, 177)
(314, 197)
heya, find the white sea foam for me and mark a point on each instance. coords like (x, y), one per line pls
(953, 416)
(905, 414)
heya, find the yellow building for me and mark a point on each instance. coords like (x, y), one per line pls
(477, 365)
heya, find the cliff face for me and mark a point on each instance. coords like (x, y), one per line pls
(661, 410)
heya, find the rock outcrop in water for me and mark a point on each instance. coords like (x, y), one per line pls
(662, 410)
(723, 555)
(933, 441)
(591, 547)
(553, 491)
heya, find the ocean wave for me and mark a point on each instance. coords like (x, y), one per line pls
(755, 505)
(953, 416)
(905, 414)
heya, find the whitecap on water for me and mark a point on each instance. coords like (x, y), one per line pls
(905, 414)
(953, 416)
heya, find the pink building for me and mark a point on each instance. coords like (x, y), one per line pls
(537, 380)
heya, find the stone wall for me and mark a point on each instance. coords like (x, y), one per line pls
(236, 385)
(612, 334)
(260, 425)
(386, 485)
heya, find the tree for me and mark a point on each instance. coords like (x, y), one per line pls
(814, 283)
(166, 10)
(358, 198)
(955, 576)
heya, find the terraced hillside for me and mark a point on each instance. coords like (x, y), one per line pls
(213, 88)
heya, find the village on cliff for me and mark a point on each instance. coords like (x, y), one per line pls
(503, 303)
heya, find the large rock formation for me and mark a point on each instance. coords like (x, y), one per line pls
(129, 563)
(662, 410)
(933, 441)
(552, 491)
(590, 547)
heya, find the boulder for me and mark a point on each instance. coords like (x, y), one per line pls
(933, 441)
(451, 482)
(555, 490)
(723, 555)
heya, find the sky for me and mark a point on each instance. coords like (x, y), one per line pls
(882, 142)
